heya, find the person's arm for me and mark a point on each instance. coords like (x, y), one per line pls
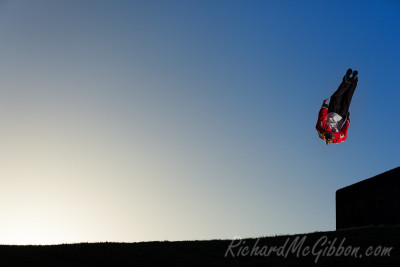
(321, 122)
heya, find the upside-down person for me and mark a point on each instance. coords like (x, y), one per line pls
(331, 125)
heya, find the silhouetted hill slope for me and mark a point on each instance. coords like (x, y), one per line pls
(212, 252)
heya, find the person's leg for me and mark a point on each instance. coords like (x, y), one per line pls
(334, 104)
(336, 98)
(346, 99)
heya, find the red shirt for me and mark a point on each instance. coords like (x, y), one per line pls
(322, 127)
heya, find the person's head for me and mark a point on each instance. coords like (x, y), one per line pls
(327, 137)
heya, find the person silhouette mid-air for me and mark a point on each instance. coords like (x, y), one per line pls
(330, 125)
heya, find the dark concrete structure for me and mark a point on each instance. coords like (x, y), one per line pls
(374, 201)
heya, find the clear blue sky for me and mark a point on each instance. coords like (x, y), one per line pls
(178, 120)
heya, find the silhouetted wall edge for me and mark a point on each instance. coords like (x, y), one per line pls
(374, 201)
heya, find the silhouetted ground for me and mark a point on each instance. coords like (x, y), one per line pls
(212, 252)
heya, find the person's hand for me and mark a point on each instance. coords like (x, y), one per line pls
(323, 103)
(348, 116)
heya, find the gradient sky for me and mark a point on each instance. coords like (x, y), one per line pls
(133, 121)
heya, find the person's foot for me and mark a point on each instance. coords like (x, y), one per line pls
(355, 74)
(346, 77)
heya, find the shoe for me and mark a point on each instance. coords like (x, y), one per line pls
(355, 74)
(346, 77)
